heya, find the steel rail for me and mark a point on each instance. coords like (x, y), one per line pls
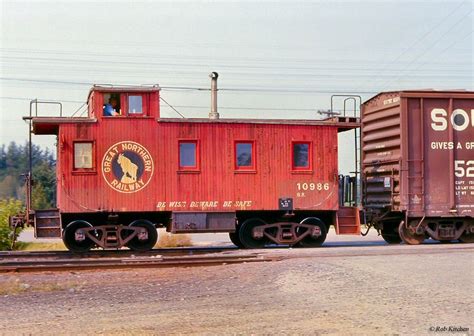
(184, 251)
(122, 263)
(113, 253)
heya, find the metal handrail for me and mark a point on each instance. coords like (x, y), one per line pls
(29, 175)
(35, 102)
(348, 97)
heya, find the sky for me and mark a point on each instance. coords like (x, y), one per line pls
(280, 59)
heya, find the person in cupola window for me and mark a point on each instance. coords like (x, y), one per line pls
(110, 109)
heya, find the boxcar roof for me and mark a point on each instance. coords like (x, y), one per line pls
(424, 93)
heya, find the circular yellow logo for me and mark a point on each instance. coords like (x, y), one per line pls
(127, 167)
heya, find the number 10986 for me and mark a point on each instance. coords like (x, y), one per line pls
(312, 186)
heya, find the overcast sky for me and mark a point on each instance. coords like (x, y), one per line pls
(277, 59)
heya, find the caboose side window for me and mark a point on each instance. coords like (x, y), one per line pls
(301, 155)
(188, 155)
(244, 155)
(135, 105)
(83, 156)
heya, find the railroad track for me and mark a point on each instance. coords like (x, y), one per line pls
(23, 261)
(178, 251)
(157, 261)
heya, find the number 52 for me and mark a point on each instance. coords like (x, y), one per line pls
(460, 171)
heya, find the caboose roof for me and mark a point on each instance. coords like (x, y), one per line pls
(50, 125)
(124, 88)
(342, 123)
(114, 88)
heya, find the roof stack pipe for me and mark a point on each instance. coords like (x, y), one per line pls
(213, 114)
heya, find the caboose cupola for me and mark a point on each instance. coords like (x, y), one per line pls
(111, 102)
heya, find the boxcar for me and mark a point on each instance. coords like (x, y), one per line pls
(123, 170)
(418, 165)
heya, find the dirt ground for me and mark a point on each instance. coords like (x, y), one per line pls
(405, 294)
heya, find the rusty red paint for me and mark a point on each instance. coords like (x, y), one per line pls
(215, 179)
(415, 158)
(214, 185)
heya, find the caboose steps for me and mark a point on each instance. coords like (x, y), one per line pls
(348, 221)
(47, 223)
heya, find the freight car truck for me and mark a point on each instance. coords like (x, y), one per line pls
(418, 165)
(123, 170)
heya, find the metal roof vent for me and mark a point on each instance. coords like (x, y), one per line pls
(213, 114)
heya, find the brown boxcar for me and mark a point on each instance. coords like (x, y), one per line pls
(123, 169)
(418, 164)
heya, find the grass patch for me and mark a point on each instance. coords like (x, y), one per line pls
(15, 287)
(33, 246)
(174, 240)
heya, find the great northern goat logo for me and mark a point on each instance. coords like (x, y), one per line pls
(127, 167)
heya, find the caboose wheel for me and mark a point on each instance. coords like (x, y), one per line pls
(467, 238)
(234, 238)
(409, 236)
(246, 234)
(310, 241)
(75, 239)
(145, 240)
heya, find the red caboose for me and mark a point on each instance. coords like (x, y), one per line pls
(123, 170)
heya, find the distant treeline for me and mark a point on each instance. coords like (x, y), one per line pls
(14, 163)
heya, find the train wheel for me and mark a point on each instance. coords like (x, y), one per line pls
(75, 239)
(246, 236)
(310, 241)
(234, 238)
(146, 239)
(409, 236)
(467, 238)
(390, 234)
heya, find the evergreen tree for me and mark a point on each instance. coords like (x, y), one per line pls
(39, 199)
(14, 166)
(8, 187)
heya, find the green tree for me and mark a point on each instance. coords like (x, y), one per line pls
(8, 186)
(8, 207)
(39, 199)
(3, 159)
(14, 166)
(44, 177)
